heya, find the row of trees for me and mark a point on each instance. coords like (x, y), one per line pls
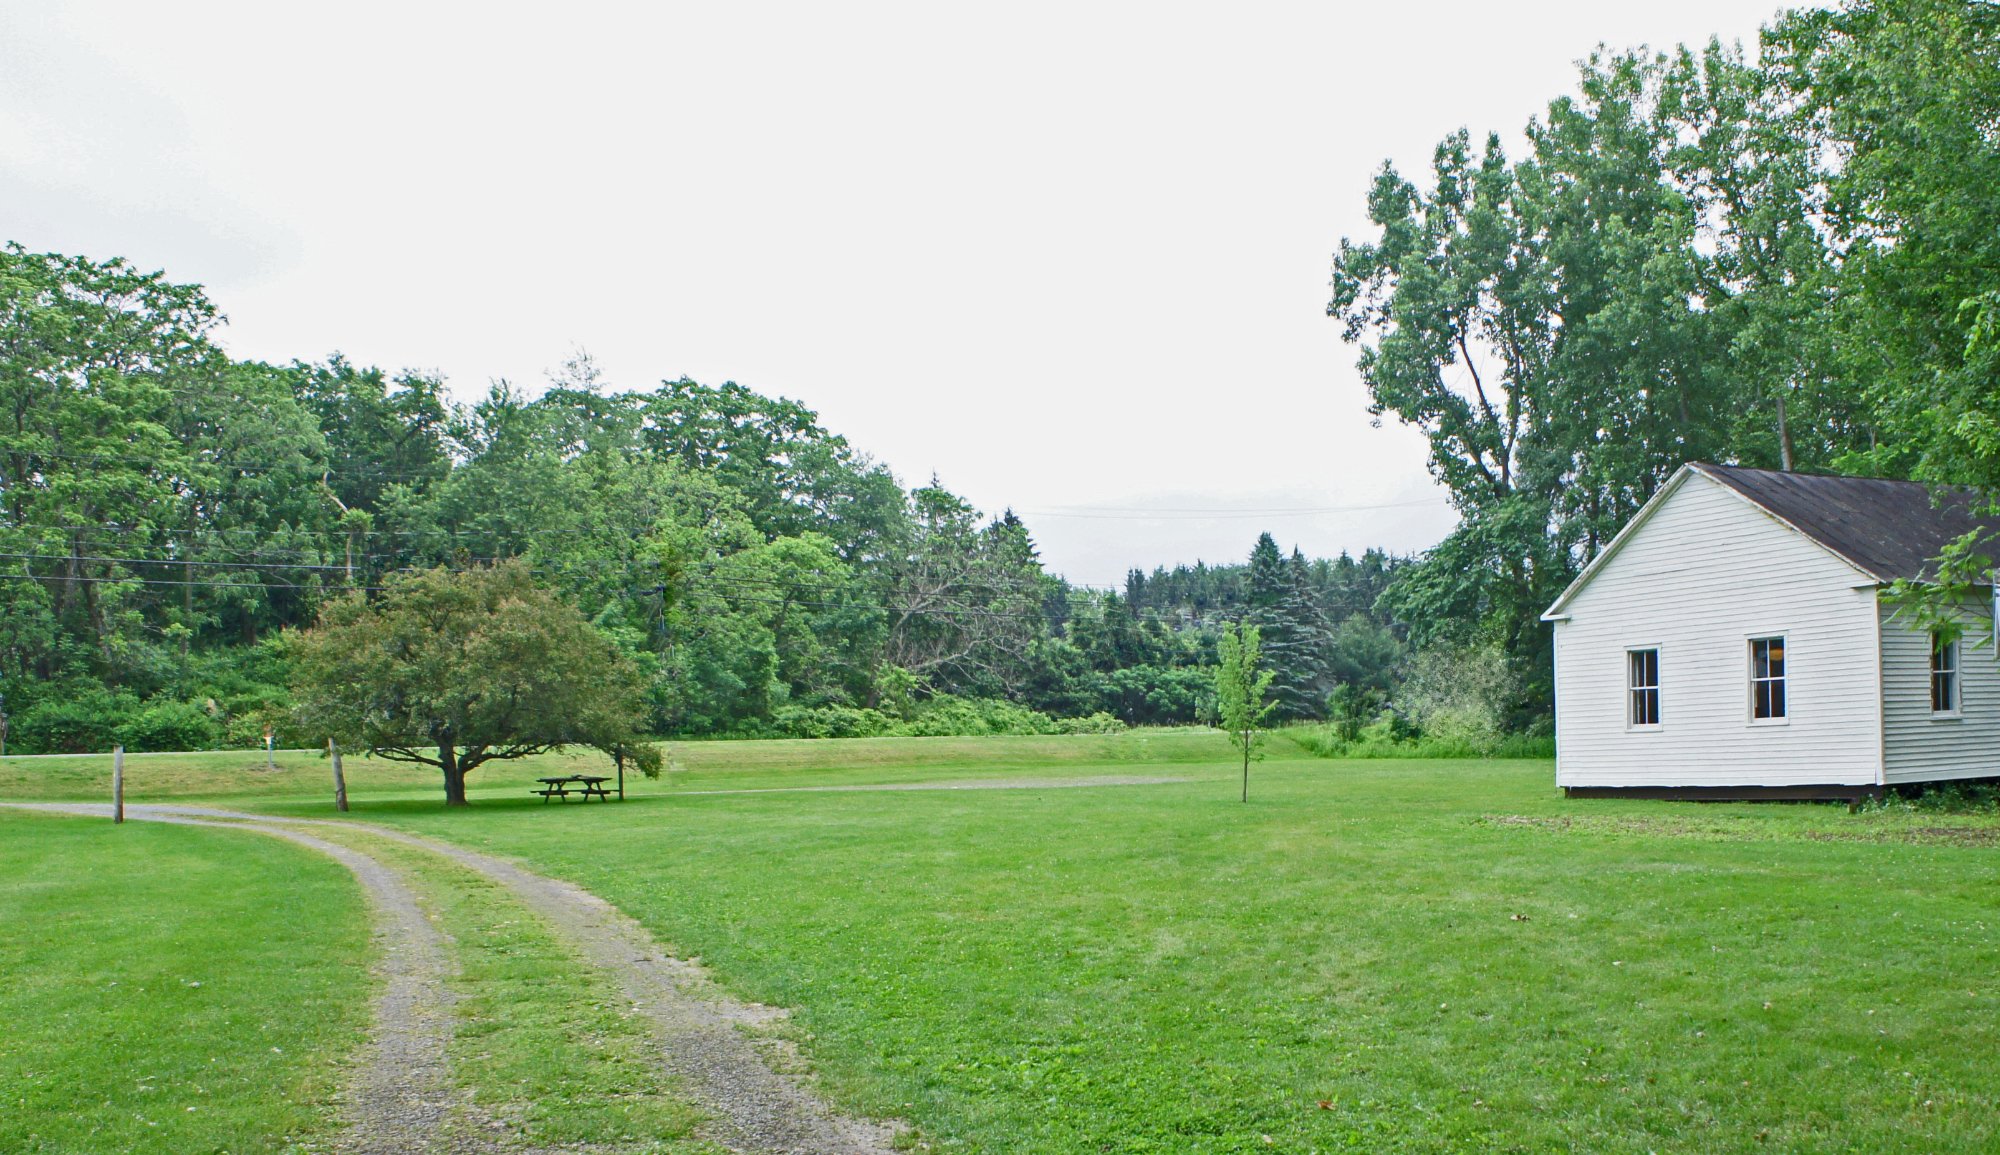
(1791, 263)
(167, 514)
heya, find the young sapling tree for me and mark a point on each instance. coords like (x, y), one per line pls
(1241, 688)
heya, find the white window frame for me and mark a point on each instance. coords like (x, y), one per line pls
(1632, 689)
(1751, 679)
(1956, 674)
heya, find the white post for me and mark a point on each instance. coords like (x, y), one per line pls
(268, 763)
(339, 779)
(118, 784)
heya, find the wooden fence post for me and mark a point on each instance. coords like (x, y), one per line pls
(621, 775)
(339, 779)
(118, 783)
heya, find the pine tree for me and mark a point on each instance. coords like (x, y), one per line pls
(1296, 635)
(1268, 579)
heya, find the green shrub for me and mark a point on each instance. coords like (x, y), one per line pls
(1098, 723)
(170, 725)
(941, 716)
(1386, 738)
(1458, 695)
(827, 722)
(947, 715)
(1942, 798)
(86, 721)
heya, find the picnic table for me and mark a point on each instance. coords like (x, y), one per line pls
(563, 785)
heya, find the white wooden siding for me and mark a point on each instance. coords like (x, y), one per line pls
(1919, 745)
(1704, 574)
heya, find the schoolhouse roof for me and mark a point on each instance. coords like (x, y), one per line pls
(1887, 529)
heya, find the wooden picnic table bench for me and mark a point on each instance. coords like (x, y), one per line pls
(563, 785)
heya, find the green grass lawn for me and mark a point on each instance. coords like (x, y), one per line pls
(1375, 956)
(172, 990)
(303, 779)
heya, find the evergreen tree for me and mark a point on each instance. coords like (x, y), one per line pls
(1295, 632)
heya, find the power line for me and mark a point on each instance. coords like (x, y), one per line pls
(445, 466)
(759, 591)
(1225, 514)
(64, 579)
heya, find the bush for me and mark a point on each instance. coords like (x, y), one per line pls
(941, 716)
(1098, 723)
(84, 722)
(1977, 797)
(169, 725)
(827, 722)
(1387, 737)
(1458, 695)
(1157, 695)
(947, 715)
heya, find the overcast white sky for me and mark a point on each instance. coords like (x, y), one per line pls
(1072, 257)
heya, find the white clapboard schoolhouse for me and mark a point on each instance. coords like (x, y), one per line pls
(1734, 641)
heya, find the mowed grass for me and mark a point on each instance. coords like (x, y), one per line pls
(1370, 956)
(303, 781)
(173, 990)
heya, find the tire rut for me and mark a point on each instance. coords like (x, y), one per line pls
(697, 1028)
(399, 1098)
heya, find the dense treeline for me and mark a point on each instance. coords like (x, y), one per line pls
(167, 513)
(1792, 263)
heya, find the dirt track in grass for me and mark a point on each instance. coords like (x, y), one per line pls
(400, 1098)
(968, 784)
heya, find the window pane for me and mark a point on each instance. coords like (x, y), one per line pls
(1642, 672)
(1944, 674)
(1767, 677)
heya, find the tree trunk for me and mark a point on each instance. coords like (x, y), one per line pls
(1784, 437)
(339, 778)
(454, 775)
(1246, 766)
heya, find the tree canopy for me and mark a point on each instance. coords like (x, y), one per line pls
(1790, 263)
(457, 669)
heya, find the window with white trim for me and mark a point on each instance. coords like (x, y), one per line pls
(1767, 679)
(1944, 675)
(1642, 680)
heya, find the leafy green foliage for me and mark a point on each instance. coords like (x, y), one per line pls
(1241, 688)
(457, 669)
(165, 512)
(1786, 264)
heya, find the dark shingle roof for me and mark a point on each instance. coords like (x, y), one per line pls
(1890, 529)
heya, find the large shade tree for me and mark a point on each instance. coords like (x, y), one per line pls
(455, 669)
